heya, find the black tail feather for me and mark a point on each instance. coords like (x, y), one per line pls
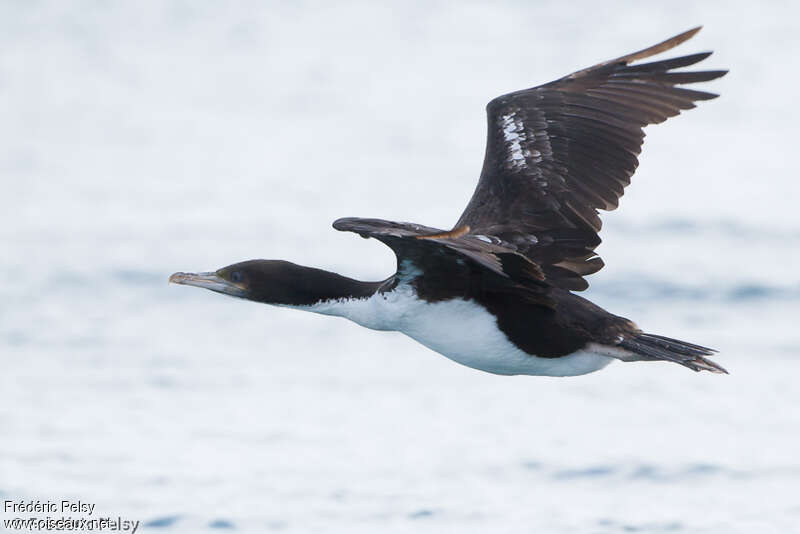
(653, 347)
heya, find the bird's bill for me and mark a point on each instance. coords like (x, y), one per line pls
(209, 280)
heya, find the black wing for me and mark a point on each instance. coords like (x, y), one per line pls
(557, 153)
(435, 251)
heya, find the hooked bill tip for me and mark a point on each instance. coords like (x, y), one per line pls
(177, 278)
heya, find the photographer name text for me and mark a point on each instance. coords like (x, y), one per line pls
(44, 507)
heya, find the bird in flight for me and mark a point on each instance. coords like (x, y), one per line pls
(496, 292)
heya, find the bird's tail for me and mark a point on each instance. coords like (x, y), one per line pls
(653, 347)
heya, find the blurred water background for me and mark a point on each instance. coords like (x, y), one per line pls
(142, 138)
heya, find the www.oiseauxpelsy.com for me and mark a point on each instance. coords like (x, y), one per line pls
(64, 522)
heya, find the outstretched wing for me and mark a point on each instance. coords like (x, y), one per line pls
(557, 153)
(430, 250)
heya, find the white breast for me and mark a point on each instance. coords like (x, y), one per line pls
(460, 330)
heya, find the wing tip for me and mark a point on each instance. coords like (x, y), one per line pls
(663, 46)
(690, 32)
(657, 48)
(342, 223)
(690, 77)
(356, 225)
(716, 74)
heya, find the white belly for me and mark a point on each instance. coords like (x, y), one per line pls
(460, 330)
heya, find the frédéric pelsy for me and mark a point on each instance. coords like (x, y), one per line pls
(38, 507)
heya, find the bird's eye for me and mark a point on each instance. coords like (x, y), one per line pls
(236, 277)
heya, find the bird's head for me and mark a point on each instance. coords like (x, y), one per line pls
(269, 281)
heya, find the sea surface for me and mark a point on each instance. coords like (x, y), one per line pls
(142, 138)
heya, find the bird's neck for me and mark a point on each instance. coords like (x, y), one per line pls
(327, 293)
(332, 286)
(307, 286)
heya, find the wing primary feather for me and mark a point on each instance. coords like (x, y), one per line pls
(663, 46)
(667, 64)
(674, 78)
